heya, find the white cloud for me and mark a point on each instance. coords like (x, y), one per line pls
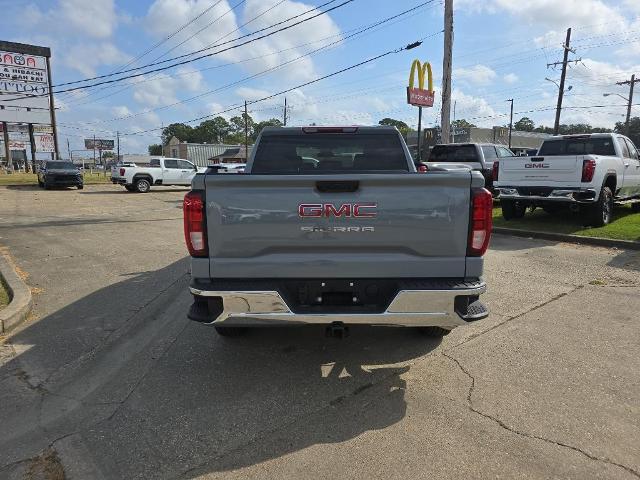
(164, 90)
(86, 57)
(121, 111)
(165, 16)
(478, 74)
(96, 18)
(471, 107)
(511, 78)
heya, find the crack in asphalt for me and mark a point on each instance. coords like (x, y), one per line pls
(519, 315)
(513, 430)
(112, 332)
(332, 404)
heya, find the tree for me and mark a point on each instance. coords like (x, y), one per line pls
(237, 128)
(525, 124)
(155, 149)
(399, 124)
(462, 123)
(211, 131)
(257, 128)
(181, 131)
(634, 129)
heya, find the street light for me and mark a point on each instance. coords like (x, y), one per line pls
(621, 96)
(557, 84)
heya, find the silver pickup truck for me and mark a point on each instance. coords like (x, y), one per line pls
(334, 226)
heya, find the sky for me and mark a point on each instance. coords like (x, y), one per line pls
(501, 51)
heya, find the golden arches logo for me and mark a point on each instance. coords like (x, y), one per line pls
(420, 96)
(423, 69)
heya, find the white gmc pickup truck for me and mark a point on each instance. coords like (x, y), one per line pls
(160, 171)
(585, 172)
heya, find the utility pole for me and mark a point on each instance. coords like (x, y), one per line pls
(565, 61)
(285, 112)
(446, 71)
(246, 132)
(630, 83)
(510, 120)
(94, 151)
(68, 148)
(118, 147)
(419, 133)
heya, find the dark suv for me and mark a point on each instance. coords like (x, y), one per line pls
(58, 173)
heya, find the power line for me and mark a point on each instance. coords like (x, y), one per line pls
(276, 67)
(221, 44)
(310, 82)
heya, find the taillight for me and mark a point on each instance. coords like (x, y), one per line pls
(122, 172)
(481, 222)
(422, 168)
(588, 169)
(495, 170)
(195, 227)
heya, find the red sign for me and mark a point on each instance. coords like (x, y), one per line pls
(420, 97)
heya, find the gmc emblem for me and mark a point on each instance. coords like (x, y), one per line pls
(355, 210)
(536, 165)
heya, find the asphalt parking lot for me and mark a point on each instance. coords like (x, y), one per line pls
(108, 379)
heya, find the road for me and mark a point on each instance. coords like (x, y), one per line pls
(108, 379)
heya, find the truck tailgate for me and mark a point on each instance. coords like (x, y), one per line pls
(540, 171)
(285, 226)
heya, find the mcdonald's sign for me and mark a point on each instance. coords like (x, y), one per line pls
(420, 97)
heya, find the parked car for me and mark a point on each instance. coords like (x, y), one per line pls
(59, 173)
(585, 172)
(115, 170)
(161, 171)
(476, 156)
(357, 237)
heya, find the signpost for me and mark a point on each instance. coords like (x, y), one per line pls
(25, 93)
(99, 144)
(420, 97)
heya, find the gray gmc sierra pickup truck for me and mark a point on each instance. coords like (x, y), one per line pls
(334, 226)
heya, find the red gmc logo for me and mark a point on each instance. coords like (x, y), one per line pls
(356, 210)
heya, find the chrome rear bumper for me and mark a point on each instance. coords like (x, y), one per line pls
(557, 195)
(433, 307)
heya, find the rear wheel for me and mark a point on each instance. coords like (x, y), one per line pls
(230, 331)
(600, 213)
(512, 209)
(433, 332)
(143, 185)
(130, 188)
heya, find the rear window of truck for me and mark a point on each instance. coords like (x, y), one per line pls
(454, 153)
(578, 146)
(327, 153)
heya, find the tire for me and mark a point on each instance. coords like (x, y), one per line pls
(434, 332)
(552, 209)
(143, 185)
(600, 213)
(80, 187)
(635, 207)
(130, 188)
(512, 209)
(230, 331)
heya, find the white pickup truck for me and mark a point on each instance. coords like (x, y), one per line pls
(584, 172)
(161, 171)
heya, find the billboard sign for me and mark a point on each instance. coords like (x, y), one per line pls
(98, 144)
(44, 142)
(420, 97)
(24, 83)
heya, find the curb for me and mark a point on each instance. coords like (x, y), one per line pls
(565, 237)
(21, 299)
